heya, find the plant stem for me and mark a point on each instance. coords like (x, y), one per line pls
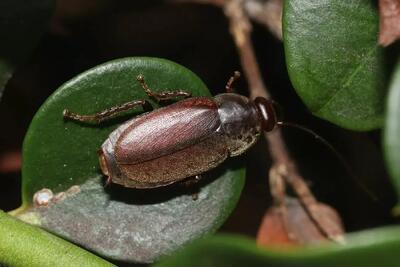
(22, 244)
(240, 29)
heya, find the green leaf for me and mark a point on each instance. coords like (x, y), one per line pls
(22, 23)
(378, 247)
(334, 61)
(25, 245)
(391, 134)
(121, 223)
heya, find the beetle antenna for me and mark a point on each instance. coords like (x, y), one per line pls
(339, 156)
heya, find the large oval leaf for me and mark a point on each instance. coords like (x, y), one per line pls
(120, 223)
(392, 131)
(334, 61)
(378, 247)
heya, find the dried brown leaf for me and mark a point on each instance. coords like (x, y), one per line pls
(292, 225)
(10, 161)
(389, 21)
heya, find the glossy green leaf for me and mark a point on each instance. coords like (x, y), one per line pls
(392, 131)
(21, 25)
(25, 245)
(120, 223)
(334, 61)
(378, 247)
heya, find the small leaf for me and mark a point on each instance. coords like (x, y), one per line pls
(24, 245)
(121, 223)
(334, 61)
(391, 135)
(378, 247)
(21, 24)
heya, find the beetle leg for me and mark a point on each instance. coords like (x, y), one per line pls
(108, 113)
(195, 196)
(159, 96)
(228, 86)
(108, 181)
(192, 183)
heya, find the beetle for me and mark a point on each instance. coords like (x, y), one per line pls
(181, 140)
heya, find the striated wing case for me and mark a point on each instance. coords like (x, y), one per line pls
(169, 144)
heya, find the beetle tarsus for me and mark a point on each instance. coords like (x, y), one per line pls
(66, 113)
(83, 118)
(73, 116)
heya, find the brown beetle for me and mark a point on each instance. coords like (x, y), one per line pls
(181, 140)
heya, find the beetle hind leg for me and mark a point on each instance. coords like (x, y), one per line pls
(161, 96)
(108, 113)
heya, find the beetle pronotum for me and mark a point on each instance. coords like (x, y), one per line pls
(182, 140)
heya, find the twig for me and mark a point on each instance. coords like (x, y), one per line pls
(266, 12)
(278, 189)
(240, 28)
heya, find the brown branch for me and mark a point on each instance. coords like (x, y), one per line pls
(267, 13)
(278, 189)
(240, 28)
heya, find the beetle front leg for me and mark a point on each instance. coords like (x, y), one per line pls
(228, 86)
(108, 113)
(159, 96)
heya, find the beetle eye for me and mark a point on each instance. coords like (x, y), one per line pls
(266, 112)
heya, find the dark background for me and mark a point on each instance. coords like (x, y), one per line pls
(83, 34)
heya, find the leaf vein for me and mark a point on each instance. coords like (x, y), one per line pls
(349, 79)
